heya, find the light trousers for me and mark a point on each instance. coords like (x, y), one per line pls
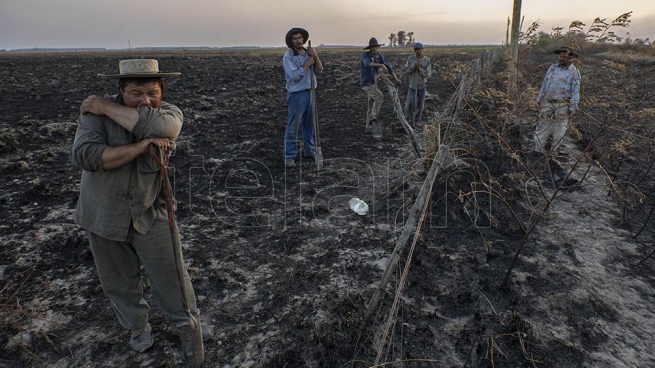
(553, 122)
(375, 99)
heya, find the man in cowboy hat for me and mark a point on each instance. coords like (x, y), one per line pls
(300, 65)
(371, 63)
(419, 68)
(121, 202)
(558, 99)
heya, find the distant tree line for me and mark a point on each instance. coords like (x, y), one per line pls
(401, 39)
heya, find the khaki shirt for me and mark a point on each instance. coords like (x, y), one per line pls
(111, 200)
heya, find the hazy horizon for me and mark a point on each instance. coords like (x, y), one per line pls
(122, 24)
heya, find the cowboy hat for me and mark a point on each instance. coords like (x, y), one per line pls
(568, 50)
(373, 42)
(293, 31)
(139, 68)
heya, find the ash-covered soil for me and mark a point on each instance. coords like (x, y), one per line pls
(283, 269)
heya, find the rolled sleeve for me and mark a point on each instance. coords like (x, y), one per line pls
(89, 143)
(164, 122)
(293, 72)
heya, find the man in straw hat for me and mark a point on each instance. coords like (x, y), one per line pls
(122, 205)
(371, 63)
(299, 65)
(558, 99)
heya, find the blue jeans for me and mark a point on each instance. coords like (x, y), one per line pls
(301, 115)
(414, 105)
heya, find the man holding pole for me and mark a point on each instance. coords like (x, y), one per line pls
(123, 207)
(371, 63)
(299, 64)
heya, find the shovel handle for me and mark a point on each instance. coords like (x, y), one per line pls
(191, 334)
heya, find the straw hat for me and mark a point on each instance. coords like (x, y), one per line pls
(139, 68)
(568, 50)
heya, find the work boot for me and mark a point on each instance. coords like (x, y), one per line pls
(289, 163)
(207, 332)
(141, 339)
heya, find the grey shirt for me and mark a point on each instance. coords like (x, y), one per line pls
(111, 200)
(417, 79)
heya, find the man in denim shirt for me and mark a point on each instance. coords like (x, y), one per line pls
(299, 65)
(371, 63)
(122, 203)
(558, 98)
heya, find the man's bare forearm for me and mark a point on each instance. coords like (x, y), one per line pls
(124, 116)
(115, 157)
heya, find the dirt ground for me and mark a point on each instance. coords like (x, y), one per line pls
(282, 267)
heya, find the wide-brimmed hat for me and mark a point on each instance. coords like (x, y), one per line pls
(373, 42)
(568, 50)
(418, 45)
(293, 31)
(140, 68)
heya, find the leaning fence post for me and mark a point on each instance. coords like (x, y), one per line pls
(437, 165)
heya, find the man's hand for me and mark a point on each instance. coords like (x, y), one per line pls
(396, 78)
(95, 105)
(310, 61)
(162, 143)
(117, 156)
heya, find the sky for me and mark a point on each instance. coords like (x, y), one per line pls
(119, 24)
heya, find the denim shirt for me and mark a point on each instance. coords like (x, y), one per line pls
(297, 79)
(561, 84)
(368, 72)
(111, 201)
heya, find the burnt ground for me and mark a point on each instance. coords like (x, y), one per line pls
(282, 268)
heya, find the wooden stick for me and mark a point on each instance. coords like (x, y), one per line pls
(191, 333)
(401, 115)
(404, 236)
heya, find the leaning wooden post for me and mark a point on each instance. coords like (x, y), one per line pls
(436, 167)
(401, 115)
